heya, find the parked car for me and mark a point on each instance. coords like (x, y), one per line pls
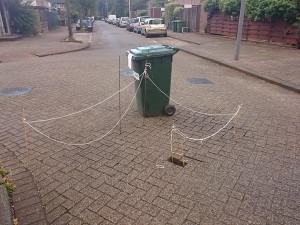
(137, 27)
(154, 26)
(116, 21)
(123, 21)
(130, 24)
(85, 24)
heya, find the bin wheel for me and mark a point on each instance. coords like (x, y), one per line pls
(169, 110)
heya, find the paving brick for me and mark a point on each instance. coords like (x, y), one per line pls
(148, 208)
(135, 197)
(232, 206)
(90, 217)
(73, 195)
(80, 206)
(55, 214)
(109, 190)
(165, 204)
(38, 216)
(179, 216)
(110, 214)
(99, 203)
(129, 211)
(117, 200)
(125, 221)
(144, 219)
(152, 194)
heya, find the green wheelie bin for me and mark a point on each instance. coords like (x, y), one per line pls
(153, 87)
(174, 26)
(179, 25)
(171, 25)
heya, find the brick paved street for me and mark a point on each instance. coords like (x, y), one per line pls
(247, 174)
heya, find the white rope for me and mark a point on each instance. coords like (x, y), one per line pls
(74, 113)
(87, 143)
(176, 130)
(202, 113)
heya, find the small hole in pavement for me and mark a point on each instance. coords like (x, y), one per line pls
(177, 162)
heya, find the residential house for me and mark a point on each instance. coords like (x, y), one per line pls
(5, 28)
(60, 6)
(43, 7)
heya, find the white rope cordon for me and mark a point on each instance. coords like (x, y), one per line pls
(74, 113)
(199, 112)
(87, 143)
(176, 130)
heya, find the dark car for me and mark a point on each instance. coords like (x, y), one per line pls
(130, 24)
(85, 24)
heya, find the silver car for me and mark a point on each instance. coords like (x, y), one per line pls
(123, 21)
(137, 27)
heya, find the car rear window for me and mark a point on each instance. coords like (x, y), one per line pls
(144, 18)
(134, 20)
(156, 22)
(125, 19)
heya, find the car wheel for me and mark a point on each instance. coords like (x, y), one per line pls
(165, 35)
(169, 110)
(147, 35)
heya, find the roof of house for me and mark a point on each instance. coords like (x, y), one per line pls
(57, 1)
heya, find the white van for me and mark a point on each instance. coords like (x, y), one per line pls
(111, 18)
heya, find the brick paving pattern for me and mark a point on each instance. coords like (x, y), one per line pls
(250, 176)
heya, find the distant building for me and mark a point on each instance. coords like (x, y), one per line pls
(60, 6)
(41, 3)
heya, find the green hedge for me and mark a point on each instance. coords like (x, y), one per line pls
(287, 10)
(258, 10)
(169, 11)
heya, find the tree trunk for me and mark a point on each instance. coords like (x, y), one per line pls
(71, 37)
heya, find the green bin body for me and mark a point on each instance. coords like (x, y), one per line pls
(171, 25)
(151, 101)
(174, 26)
(179, 26)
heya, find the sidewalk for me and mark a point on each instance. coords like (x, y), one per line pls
(275, 64)
(43, 45)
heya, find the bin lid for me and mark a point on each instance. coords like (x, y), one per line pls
(152, 51)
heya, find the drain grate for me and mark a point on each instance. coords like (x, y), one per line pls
(199, 81)
(127, 73)
(15, 91)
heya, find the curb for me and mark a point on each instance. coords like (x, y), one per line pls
(272, 80)
(5, 207)
(64, 52)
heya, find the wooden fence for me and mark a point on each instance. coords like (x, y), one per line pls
(261, 31)
(191, 16)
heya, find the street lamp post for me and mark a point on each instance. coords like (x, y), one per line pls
(240, 30)
(106, 9)
(129, 8)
